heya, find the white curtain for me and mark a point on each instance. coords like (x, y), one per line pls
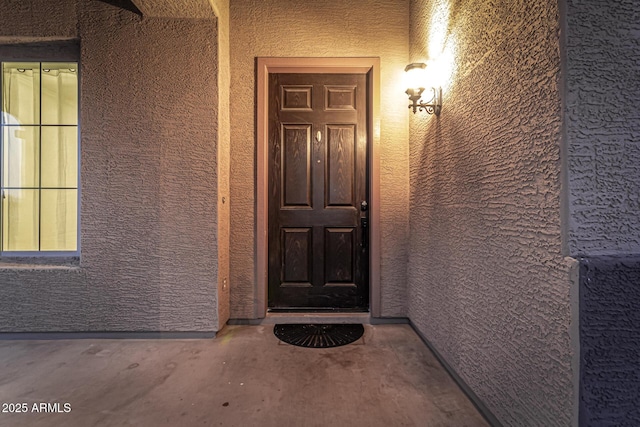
(39, 125)
(20, 99)
(59, 158)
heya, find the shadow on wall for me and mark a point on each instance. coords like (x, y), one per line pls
(124, 4)
(487, 282)
(609, 341)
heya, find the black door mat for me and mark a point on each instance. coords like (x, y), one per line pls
(319, 336)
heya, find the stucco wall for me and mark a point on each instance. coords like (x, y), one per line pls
(603, 126)
(488, 284)
(55, 20)
(223, 163)
(603, 168)
(324, 28)
(148, 181)
(609, 319)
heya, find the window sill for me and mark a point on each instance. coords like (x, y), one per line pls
(39, 263)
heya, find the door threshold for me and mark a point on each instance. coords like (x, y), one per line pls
(310, 317)
(326, 318)
(304, 318)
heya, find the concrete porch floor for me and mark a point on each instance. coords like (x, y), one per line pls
(244, 377)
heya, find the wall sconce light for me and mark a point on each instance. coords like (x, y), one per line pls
(416, 74)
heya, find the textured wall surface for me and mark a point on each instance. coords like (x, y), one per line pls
(488, 284)
(285, 28)
(603, 126)
(602, 67)
(610, 341)
(221, 10)
(148, 182)
(200, 9)
(53, 20)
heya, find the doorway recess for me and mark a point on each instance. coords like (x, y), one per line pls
(267, 66)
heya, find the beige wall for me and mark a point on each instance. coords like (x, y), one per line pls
(38, 20)
(488, 284)
(148, 119)
(324, 28)
(221, 10)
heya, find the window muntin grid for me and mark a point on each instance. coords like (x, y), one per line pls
(39, 157)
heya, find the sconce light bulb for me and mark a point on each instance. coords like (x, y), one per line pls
(417, 79)
(416, 75)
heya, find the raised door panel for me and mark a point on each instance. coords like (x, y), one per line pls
(296, 165)
(340, 97)
(341, 146)
(339, 256)
(296, 260)
(296, 97)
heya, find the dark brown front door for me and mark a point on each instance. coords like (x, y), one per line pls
(318, 213)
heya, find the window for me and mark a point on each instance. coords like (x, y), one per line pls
(39, 158)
